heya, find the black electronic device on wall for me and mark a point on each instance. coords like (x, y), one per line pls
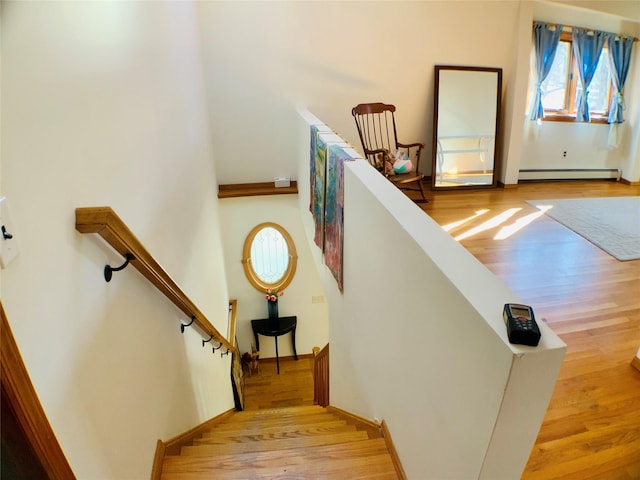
(521, 324)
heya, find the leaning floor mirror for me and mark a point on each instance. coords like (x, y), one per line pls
(465, 127)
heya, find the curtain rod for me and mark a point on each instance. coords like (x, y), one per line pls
(569, 28)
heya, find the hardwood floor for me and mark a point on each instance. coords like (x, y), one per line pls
(590, 299)
(292, 388)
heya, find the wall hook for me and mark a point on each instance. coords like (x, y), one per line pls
(217, 348)
(206, 341)
(225, 353)
(6, 235)
(108, 269)
(182, 325)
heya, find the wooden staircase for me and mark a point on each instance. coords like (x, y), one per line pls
(306, 442)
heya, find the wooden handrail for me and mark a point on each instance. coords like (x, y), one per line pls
(233, 313)
(321, 376)
(105, 222)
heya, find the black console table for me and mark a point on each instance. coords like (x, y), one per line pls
(274, 327)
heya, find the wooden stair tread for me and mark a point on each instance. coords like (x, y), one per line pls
(241, 461)
(269, 429)
(274, 435)
(375, 466)
(284, 411)
(275, 421)
(284, 443)
(341, 437)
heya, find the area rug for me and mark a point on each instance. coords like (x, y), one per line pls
(611, 223)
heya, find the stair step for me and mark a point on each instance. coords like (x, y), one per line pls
(272, 429)
(372, 467)
(269, 458)
(299, 432)
(274, 421)
(280, 444)
(283, 411)
(282, 403)
(284, 443)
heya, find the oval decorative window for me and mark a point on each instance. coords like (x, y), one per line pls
(269, 257)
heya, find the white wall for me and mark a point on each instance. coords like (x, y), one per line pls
(103, 104)
(264, 58)
(417, 338)
(237, 217)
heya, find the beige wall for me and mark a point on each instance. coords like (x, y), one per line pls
(263, 59)
(102, 104)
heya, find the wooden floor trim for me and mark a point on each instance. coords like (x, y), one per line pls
(635, 363)
(624, 181)
(392, 451)
(353, 416)
(158, 461)
(24, 402)
(173, 446)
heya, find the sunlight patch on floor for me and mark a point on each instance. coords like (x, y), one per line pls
(459, 223)
(519, 224)
(489, 224)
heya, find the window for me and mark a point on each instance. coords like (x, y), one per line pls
(560, 88)
(269, 257)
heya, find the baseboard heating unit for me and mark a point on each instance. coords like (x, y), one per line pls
(548, 174)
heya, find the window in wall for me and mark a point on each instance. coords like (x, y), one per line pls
(269, 257)
(560, 89)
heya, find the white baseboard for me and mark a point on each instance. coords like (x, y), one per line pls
(569, 174)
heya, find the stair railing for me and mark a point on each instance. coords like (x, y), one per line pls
(321, 376)
(105, 222)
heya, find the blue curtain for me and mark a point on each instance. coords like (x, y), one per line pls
(619, 61)
(545, 43)
(586, 50)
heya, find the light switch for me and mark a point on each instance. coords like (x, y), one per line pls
(8, 242)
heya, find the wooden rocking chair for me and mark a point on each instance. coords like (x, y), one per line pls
(377, 130)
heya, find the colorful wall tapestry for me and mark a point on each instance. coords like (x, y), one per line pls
(334, 211)
(318, 169)
(312, 166)
(328, 153)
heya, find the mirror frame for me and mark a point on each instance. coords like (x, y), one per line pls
(436, 102)
(251, 274)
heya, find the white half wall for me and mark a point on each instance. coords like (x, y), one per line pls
(417, 339)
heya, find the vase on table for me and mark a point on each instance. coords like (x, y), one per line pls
(272, 308)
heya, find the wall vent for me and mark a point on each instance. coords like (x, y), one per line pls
(533, 175)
